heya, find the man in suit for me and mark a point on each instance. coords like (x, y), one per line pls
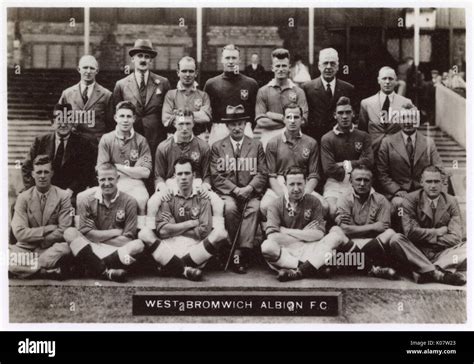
(72, 155)
(239, 175)
(255, 70)
(402, 158)
(378, 113)
(274, 96)
(432, 221)
(42, 214)
(146, 91)
(92, 104)
(322, 94)
(230, 88)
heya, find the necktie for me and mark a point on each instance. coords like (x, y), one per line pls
(142, 87)
(84, 95)
(237, 155)
(58, 158)
(385, 108)
(410, 149)
(433, 212)
(42, 202)
(329, 91)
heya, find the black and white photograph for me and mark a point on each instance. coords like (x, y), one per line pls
(236, 165)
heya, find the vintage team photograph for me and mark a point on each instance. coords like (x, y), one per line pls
(236, 165)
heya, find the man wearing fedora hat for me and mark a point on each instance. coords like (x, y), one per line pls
(239, 175)
(146, 91)
(230, 88)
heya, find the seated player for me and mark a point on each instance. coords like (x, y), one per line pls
(297, 244)
(291, 148)
(183, 242)
(105, 244)
(42, 214)
(364, 216)
(239, 175)
(130, 153)
(340, 148)
(432, 221)
(183, 144)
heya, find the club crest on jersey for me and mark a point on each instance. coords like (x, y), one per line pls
(305, 153)
(195, 156)
(134, 155)
(307, 214)
(195, 212)
(292, 97)
(358, 146)
(120, 215)
(197, 103)
(244, 94)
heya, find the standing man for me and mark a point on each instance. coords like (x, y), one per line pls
(291, 148)
(297, 245)
(187, 96)
(184, 226)
(322, 94)
(71, 155)
(239, 175)
(273, 97)
(402, 158)
(340, 148)
(378, 112)
(105, 244)
(146, 91)
(91, 103)
(42, 214)
(230, 88)
(432, 221)
(183, 143)
(255, 70)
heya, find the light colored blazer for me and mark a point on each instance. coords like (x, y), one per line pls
(28, 222)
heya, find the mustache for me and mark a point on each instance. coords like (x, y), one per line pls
(143, 63)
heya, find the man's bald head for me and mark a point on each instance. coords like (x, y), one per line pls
(387, 80)
(88, 68)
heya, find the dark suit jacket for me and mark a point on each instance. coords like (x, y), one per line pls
(223, 175)
(148, 121)
(321, 109)
(419, 224)
(393, 165)
(100, 102)
(258, 74)
(29, 221)
(77, 169)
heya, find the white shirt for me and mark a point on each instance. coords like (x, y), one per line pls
(413, 138)
(383, 96)
(332, 84)
(234, 143)
(90, 87)
(138, 77)
(99, 197)
(435, 201)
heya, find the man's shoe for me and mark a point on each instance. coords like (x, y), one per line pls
(56, 274)
(239, 268)
(285, 275)
(443, 276)
(115, 275)
(239, 264)
(383, 272)
(192, 274)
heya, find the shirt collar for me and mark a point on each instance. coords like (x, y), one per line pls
(41, 194)
(175, 138)
(234, 142)
(83, 86)
(180, 86)
(120, 136)
(383, 95)
(337, 131)
(98, 196)
(287, 201)
(58, 138)
(283, 135)
(435, 201)
(331, 83)
(290, 84)
(405, 137)
(356, 196)
(138, 76)
(177, 192)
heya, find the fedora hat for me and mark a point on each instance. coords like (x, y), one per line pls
(142, 46)
(235, 113)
